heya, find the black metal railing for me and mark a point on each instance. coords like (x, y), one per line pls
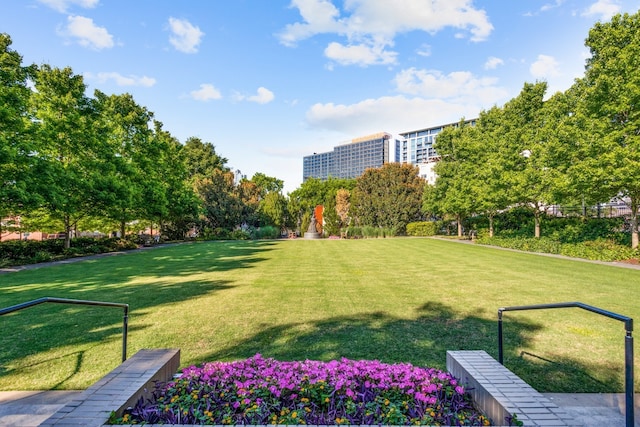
(78, 302)
(628, 344)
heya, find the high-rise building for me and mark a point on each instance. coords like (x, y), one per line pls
(417, 145)
(351, 159)
(417, 148)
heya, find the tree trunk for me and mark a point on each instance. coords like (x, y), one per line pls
(491, 225)
(122, 228)
(634, 222)
(67, 232)
(536, 217)
(459, 219)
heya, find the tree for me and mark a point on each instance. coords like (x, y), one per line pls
(221, 207)
(17, 161)
(490, 185)
(330, 216)
(267, 184)
(249, 197)
(273, 209)
(67, 145)
(388, 197)
(124, 126)
(314, 192)
(530, 182)
(456, 188)
(168, 194)
(611, 94)
(343, 204)
(202, 159)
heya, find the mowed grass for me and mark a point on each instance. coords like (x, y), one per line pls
(395, 300)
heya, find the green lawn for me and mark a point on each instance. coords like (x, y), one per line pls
(404, 299)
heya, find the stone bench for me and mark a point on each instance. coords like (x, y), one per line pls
(499, 393)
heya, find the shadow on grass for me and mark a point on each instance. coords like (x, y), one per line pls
(422, 340)
(49, 326)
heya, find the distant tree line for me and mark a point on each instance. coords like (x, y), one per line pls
(581, 146)
(69, 161)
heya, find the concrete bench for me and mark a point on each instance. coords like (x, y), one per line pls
(119, 389)
(499, 393)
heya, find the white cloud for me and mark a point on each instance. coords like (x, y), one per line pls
(424, 50)
(120, 80)
(87, 33)
(185, 36)
(428, 98)
(263, 96)
(370, 26)
(492, 63)
(359, 54)
(459, 86)
(604, 8)
(206, 93)
(550, 6)
(397, 114)
(63, 5)
(319, 17)
(546, 66)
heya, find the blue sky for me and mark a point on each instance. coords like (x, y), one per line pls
(270, 81)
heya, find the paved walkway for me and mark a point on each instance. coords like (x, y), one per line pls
(30, 408)
(593, 409)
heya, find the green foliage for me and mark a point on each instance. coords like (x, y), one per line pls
(18, 172)
(19, 252)
(202, 159)
(331, 219)
(273, 210)
(597, 250)
(370, 232)
(311, 193)
(388, 197)
(422, 228)
(266, 232)
(267, 184)
(354, 232)
(610, 92)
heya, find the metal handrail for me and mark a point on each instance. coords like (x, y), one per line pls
(79, 302)
(628, 344)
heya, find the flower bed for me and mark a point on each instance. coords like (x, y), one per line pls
(265, 391)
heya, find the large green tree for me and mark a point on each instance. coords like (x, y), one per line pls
(18, 172)
(267, 184)
(388, 197)
(202, 158)
(455, 191)
(67, 144)
(169, 197)
(124, 128)
(220, 204)
(611, 94)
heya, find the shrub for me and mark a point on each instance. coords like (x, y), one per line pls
(354, 232)
(266, 232)
(18, 252)
(597, 250)
(240, 235)
(423, 228)
(265, 391)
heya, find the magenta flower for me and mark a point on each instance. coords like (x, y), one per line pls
(266, 391)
